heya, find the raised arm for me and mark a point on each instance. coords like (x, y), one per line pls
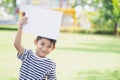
(17, 42)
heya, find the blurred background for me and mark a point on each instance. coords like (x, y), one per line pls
(89, 44)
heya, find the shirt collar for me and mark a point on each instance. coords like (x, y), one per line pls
(40, 57)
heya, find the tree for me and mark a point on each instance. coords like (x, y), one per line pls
(109, 11)
(10, 5)
(116, 14)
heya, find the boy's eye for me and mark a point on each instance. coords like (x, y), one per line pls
(49, 46)
(42, 44)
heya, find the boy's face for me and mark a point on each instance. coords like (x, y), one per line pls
(43, 47)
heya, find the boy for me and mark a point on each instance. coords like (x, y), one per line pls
(35, 66)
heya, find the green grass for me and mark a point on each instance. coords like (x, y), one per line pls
(78, 56)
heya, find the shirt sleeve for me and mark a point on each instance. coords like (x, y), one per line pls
(52, 75)
(25, 54)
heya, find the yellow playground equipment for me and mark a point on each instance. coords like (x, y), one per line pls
(62, 5)
(68, 11)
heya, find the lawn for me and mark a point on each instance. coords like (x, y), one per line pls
(78, 56)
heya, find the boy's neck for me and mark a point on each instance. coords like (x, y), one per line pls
(39, 56)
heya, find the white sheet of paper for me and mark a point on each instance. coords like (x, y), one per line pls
(43, 22)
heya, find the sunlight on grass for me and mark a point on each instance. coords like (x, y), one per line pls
(99, 75)
(78, 56)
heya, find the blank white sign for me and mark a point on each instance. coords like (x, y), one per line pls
(43, 22)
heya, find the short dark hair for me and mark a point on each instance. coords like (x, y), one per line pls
(51, 40)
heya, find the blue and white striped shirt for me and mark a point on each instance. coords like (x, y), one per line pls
(35, 68)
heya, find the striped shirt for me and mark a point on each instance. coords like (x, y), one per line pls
(35, 68)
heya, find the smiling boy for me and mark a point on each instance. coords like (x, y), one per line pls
(35, 65)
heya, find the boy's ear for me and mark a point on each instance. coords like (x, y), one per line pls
(35, 41)
(53, 48)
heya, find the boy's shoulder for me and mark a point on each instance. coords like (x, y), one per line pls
(28, 50)
(51, 60)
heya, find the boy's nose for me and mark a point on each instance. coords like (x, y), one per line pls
(44, 48)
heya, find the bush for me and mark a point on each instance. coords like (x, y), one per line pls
(70, 29)
(87, 31)
(103, 31)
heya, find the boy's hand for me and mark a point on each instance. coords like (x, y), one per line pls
(22, 22)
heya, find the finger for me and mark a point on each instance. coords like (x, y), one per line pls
(25, 23)
(24, 18)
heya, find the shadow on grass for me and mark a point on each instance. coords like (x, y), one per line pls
(88, 49)
(8, 29)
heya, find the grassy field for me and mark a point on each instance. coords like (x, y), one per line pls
(78, 56)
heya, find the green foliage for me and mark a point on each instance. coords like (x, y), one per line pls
(107, 15)
(97, 30)
(111, 10)
(9, 5)
(116, 11)
(74, 3)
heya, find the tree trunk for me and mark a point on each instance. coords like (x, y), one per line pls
(115, 28)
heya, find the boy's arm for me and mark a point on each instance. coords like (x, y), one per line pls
(17, 42)
(52, 75)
